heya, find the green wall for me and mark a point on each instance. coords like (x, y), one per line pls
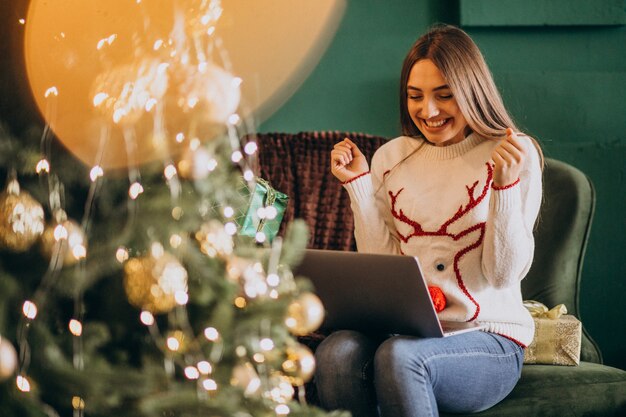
(566, 85)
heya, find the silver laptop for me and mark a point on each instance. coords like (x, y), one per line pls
(375, 293)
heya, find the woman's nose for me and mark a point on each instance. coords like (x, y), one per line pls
(430, 109)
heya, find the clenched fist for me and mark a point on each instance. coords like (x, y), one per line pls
(347, 161)
(507, 159)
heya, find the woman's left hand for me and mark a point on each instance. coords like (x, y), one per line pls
(507, 159)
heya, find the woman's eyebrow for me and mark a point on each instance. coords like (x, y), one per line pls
(441, 87)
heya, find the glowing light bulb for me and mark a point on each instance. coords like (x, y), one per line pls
(209, 384)
(236, 156)
(52, 91)
(29, 309)
(248, 175)
(173, 344)
(234, 118)
(205, 367)
(22, 383)
(228, 211)
(231, 228)
(169, 171)
(211, 334)
(282, 409)
(99, 98)
(95, 173)
(121, 255)
(76, 328)
(134, 190)
(42, 166)
(146, 318)
(266, 344)
(191, 372)
(260, 237)
(250, 148)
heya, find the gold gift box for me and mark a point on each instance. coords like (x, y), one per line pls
(557, 339)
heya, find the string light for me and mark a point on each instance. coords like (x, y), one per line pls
(146, 318)
(169, 171)
(29, 309)
(181, 297)
(95, 173)
(240, 302)
(209, 384)
(76, 328)
(78, 403)
(231, 228)
(250, 148)
(260, 237)
(52, 91)
(99, 98)
(173, 344)
(282, 409)
(175, 240)
(121, 255)
(248, 175)
(204, 367)
(211, 334)
(266, 344)
(22, 383)
(191, 372)
(42, 166)
(234, 118)
(273, 280)
(228, 211)
(180, 137)
(236, 156)
(134, 190)
(22, 21)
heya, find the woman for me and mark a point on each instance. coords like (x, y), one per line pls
(461, 190)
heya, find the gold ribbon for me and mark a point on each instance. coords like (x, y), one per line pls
(544, 346)
(539, 310)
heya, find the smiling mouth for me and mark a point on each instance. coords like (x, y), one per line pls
(434, 124)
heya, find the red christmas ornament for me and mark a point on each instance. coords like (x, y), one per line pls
(438, 297)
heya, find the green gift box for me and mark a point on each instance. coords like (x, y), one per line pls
(265, 210)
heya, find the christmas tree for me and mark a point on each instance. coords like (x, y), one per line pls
(139, 278)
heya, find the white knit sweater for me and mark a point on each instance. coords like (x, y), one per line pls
(473, 241)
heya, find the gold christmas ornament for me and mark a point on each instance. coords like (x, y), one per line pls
(8, 359)
(65, 239)
(155, 283)
(280, 389)
(21, 218)
(304, 314)
(299, 364)
(245, 377)
(214, 240)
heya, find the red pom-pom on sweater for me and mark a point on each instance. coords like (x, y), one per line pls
(438, 297)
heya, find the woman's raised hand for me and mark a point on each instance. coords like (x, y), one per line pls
(508, 158)
(347, 161)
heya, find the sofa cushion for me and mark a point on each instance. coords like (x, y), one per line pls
(589, 389)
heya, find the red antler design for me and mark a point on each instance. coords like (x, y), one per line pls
(443, 229)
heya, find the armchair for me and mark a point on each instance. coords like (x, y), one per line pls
(298, 165)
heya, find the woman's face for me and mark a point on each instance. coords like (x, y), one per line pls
(432, 106)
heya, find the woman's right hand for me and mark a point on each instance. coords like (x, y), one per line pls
(347, 161)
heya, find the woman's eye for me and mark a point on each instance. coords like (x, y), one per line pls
(446, 96)
(415, 97)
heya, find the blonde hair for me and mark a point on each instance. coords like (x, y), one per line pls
(462, 64)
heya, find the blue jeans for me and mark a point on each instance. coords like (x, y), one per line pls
(404, 376)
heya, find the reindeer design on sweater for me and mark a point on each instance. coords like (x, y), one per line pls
(444, 230)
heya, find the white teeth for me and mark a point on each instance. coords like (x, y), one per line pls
(437, 123)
